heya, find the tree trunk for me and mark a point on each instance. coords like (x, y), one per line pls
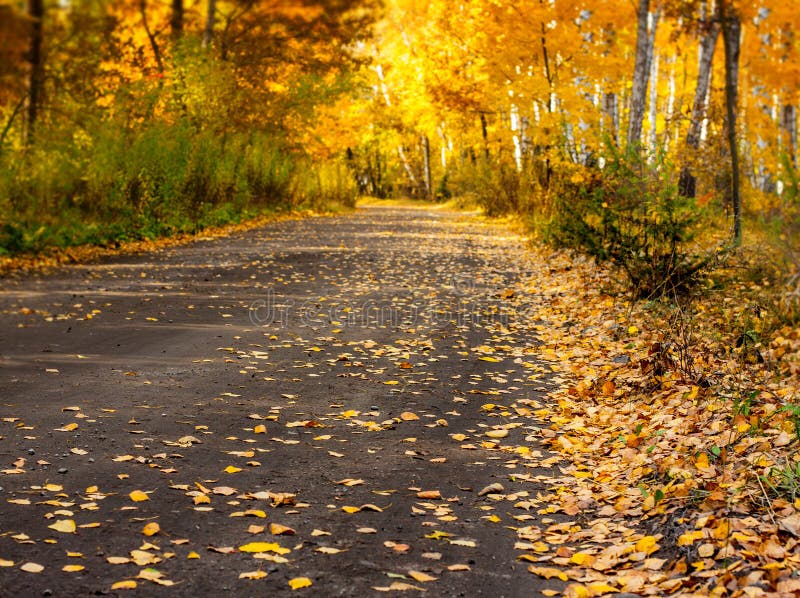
(641, 72)
(208, 32)
(407, 166)
(789, 125)
(485, 135)
(611, 111)
(547, 72)
(36, 59)
(687, 185)
(176, 19)
(426, 158)
(653, 110)
(731, 36)
(151, 36)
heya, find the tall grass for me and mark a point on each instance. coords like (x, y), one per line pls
(116, 184)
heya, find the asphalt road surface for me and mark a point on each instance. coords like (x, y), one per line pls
(324, 401)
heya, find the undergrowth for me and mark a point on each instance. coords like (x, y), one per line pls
(119, 185)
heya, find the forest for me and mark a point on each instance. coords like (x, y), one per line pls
(138, 119)
(645, 152)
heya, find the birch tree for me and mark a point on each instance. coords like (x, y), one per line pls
(645, 30)
(688, 182)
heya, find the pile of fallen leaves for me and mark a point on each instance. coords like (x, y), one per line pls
(675, 421)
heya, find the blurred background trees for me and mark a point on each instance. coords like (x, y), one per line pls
(138, 118)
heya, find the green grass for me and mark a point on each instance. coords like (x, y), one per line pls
(117, 185)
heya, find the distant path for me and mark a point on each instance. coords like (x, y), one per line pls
(338, 332)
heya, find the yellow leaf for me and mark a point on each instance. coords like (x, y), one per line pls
(128, 584)
(408, 416)
(488, 358)
(66, 526)
(202, 499)
(548, 572)
(6, 563)
(68, 427)
(260, 429)
(689, 538)
(392, 382)
(497, 433)
(701, 462)
(351, 510)
(54, 487)
(299, 582)
(576, 590)
(280, 530)
(192, 555)
(648, 545)
(264, 547)
(118, 560)
(253, 575)
(632, 330)
(72, 568)
(138, 496)
(151, 529)
(458, 437)
(32, 567)
(91, 490)
(582, 558)
(598, 588)
(397, 586)
(419, 576)
(232, 469)
(429, 494)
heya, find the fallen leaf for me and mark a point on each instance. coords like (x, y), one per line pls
(299, 582)
(118, 560)
(128, 584)
(151, 529)
(264, 547)
(494, 488)
(277, 529)
(72, 568)
(66, 526)
(419, 576)
(138, 496)
(791, 524)
(429, 494)
(398, 586)
(30, 567)
(253, 575)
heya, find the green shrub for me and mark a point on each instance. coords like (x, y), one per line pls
(116, 183)
(631, 214)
